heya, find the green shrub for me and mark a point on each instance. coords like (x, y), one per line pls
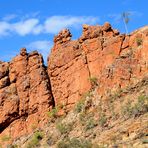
(93, 81)
(83, 102)
(5, 138)
(127, 110)
(90, 124)
(74, 143)
(143, 99)
(64, 128)
(79, 106)
(139, 108)
(53, 113)
(139, 41)
(35, 139)
(102, 120)
(85, 117)
(115, 95)
(62, 144)
(145, 141)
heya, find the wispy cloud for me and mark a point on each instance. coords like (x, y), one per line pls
(9, 17)
(25, 27)
(42, 46)
(4, 26)
(56, 23)
(51, 24)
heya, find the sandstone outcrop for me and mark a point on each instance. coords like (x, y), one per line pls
(29, 89)
(25, 95)
(115, 60)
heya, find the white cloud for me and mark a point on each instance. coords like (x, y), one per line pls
(37, 29)
(9, 17)
(55, 23)
(4, 27)
(25, 27)
(42, 46)
(51, 25)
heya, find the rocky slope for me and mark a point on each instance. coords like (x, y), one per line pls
(95, 77)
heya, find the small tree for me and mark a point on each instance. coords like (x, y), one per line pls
(125, 17)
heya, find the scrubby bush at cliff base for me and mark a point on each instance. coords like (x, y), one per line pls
(139, 41)
(5, 138)
(93, 81)
(102, 120)
(12, 146)
(64, 128)
(74, 143)
(84, 103)
(79, 106)
(145, 141)
(53, 113)
(139, 108)
(91, 123)
(34, 141)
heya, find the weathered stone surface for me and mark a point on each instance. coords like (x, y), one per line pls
(63, 36)
(25, 93)
(4, 82)
(3, 69)
(66, 66)
(114, 59)
(9, 105)
(23, 52)
(106, 27)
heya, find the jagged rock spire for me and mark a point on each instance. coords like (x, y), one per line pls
(63, 36)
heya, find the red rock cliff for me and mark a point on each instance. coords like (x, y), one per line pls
(27, 92)
(25, 95)
(114, 59)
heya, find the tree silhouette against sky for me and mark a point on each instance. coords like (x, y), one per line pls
(125, 17)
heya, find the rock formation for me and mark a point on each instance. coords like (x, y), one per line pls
(29, 89)
(25, 94)
(115, 60)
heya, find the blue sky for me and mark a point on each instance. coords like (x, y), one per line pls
(33, 23)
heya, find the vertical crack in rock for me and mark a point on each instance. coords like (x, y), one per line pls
(88, 66)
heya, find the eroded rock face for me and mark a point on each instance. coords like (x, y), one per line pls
(68, 72)
(25, 95)
(115, 60)
(27, 92)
